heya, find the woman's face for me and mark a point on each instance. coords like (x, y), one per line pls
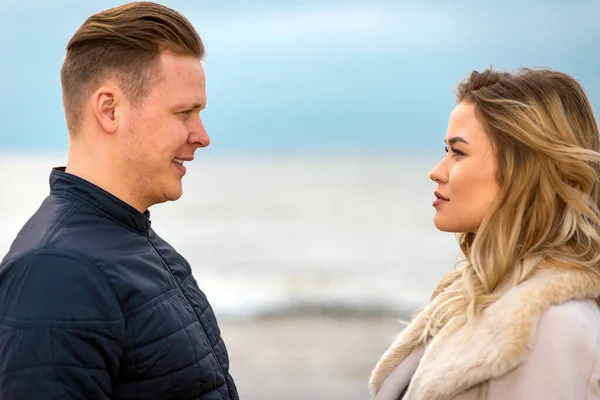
(466, 178)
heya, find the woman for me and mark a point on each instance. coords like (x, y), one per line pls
(519, 319)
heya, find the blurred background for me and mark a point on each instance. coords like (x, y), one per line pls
(308, 220)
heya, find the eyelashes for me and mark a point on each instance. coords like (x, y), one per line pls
(455, 152)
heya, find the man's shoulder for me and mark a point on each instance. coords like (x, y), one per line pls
(38, 229)
(63, 223)
(50, 256)
(52, 285)
(65, 264)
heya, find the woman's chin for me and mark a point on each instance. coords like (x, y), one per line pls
(440, 224)
(444, 229)
(446, 226)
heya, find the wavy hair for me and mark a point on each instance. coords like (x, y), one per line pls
(546, 214)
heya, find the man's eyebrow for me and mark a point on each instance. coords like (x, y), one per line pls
(187, 106)
(455, 139)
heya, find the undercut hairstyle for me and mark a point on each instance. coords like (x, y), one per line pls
(123, 43)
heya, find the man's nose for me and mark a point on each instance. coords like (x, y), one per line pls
(199, 135)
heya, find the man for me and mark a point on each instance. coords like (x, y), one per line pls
(93, 303)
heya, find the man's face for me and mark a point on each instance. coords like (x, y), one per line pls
(163, 130)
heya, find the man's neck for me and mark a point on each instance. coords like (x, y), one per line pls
(94, 169)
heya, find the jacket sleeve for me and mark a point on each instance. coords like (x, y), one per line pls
(563, 363)
(61, 329)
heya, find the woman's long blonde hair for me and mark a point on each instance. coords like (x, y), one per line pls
(546, 214)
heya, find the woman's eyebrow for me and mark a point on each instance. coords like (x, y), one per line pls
(455, 139)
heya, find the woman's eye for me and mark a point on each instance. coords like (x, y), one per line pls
(457, 152)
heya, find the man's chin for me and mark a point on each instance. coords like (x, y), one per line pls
(174, 193)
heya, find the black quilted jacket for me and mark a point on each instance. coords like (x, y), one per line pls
(94, 305)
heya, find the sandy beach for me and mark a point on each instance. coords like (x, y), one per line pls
(307, 357)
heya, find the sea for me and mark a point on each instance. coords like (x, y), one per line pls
(273, 235)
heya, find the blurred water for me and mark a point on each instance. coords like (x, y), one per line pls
(288, 234)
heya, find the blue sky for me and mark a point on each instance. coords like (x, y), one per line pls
(308, 75)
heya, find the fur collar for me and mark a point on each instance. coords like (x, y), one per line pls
(498, 342)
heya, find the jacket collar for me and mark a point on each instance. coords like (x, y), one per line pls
(458, 359)
(63, 182)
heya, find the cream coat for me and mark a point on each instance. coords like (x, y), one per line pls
(541, 340)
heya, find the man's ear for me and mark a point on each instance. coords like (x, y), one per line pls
(104, 103)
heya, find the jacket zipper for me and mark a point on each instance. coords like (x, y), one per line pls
(148, 223)
(164, 263)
